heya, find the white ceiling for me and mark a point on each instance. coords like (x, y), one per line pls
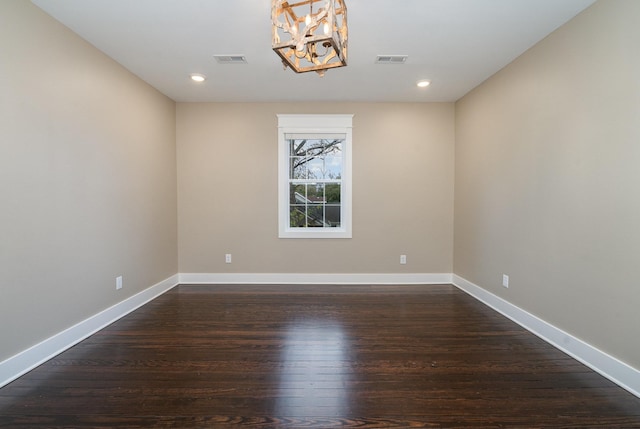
(456, 44)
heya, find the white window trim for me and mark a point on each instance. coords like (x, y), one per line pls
(313, 124)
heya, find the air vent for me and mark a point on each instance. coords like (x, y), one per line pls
(391, 59)
(231, 59)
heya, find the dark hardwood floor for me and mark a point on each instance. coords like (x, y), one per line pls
(315, 357)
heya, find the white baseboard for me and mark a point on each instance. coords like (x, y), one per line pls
(608, 366)
(25, 361)
(315, 278)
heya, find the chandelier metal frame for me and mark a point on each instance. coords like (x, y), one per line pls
(310, 35)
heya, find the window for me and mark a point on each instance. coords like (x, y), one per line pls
(314, 164)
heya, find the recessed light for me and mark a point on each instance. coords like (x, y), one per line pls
(196, 77)
(423, 83)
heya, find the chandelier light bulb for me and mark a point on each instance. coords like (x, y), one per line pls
(196, 77)
(307, 19)
(327, 30)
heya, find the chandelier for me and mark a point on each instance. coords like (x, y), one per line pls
(310, 35)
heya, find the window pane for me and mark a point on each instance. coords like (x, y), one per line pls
(297, 217)
(315, 166)
(297, 194)
(333, 167)
(315, 193)
(332, 215)
(332, 192)
(315, 216)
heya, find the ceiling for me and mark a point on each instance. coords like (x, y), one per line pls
(456, 44)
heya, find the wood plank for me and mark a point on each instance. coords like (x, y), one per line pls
(315, 356)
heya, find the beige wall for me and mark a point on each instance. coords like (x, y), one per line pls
(548, 180)
(402, 190)
(87, 179)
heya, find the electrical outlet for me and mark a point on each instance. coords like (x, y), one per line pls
(227, 258)
(403, 259)
(118, 282)
(505, 280)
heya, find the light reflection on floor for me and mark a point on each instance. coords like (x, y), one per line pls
(314, 370)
